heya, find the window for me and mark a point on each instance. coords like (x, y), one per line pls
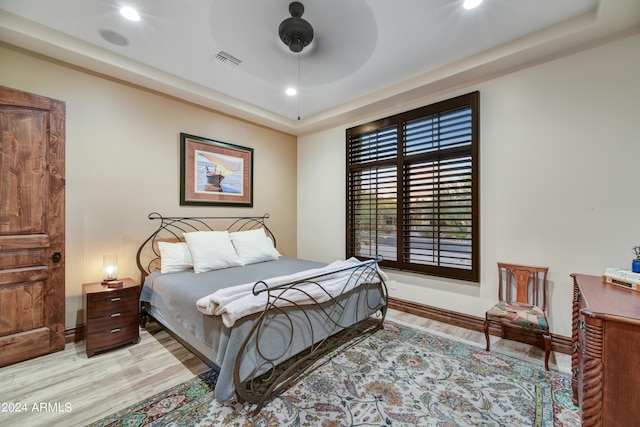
(413, 189)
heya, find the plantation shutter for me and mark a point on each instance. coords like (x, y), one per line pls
(372, 194)
(437, 203)
(412, 189)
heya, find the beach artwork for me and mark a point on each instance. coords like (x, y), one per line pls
(215, 173)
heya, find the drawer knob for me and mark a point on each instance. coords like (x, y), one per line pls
(113, 331)
(115, 315)
(115, 299)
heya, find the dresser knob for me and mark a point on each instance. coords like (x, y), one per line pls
(115, 315)
(113, 331)
(115, 299)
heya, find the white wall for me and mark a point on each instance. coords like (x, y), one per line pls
(559, 156)
(122, 162)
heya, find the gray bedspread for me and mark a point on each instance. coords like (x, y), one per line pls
(175, 294)
(173, 297)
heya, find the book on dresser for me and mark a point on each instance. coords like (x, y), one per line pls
(622, 277)
(606, 352)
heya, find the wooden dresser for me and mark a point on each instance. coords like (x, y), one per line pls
(606, 352)
(111, 315)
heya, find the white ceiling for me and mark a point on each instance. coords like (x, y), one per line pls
(367, 55)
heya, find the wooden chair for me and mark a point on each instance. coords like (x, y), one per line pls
(522, 304)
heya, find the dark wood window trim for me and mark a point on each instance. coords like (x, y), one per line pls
(413, 189)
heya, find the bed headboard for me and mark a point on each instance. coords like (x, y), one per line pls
(171, 229)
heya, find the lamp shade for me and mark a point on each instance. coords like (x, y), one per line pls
(109, 267)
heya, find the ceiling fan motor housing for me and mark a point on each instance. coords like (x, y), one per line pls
(296, 32)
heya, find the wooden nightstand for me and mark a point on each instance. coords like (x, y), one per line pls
(111, 315)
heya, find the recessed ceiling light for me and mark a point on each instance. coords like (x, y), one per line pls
(291, 91)
(470, 4)
(130, 13)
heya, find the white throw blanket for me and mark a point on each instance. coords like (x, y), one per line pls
(336, 278)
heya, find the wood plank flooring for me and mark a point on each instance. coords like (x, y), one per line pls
(68, 389)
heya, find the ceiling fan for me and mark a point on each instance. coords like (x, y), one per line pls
(296, 32)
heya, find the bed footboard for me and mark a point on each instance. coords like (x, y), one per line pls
(339, 321)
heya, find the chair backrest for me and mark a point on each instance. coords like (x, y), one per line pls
(529, 286)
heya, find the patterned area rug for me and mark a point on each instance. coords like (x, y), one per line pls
(396, 377)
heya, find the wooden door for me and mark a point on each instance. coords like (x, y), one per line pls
(32, 295)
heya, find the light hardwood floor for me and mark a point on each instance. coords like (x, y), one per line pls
(68, 389)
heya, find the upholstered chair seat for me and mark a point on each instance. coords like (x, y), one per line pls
(519, 314)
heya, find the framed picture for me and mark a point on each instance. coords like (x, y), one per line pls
(215, 173)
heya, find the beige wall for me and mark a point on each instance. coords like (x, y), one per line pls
(123, 163)
(559, 153)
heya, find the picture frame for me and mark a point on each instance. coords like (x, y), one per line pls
(215, 173)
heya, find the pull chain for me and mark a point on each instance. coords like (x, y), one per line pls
(299, 86)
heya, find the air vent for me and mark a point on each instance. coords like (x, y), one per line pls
(227, 59)
(113, 37)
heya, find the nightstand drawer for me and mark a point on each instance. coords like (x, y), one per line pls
(99, 305)
(108, 339)
(112, 321)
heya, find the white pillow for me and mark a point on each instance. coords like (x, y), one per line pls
(254, 246)
(211, 250)
(174, 257)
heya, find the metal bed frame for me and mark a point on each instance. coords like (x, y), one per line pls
(272, 378)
